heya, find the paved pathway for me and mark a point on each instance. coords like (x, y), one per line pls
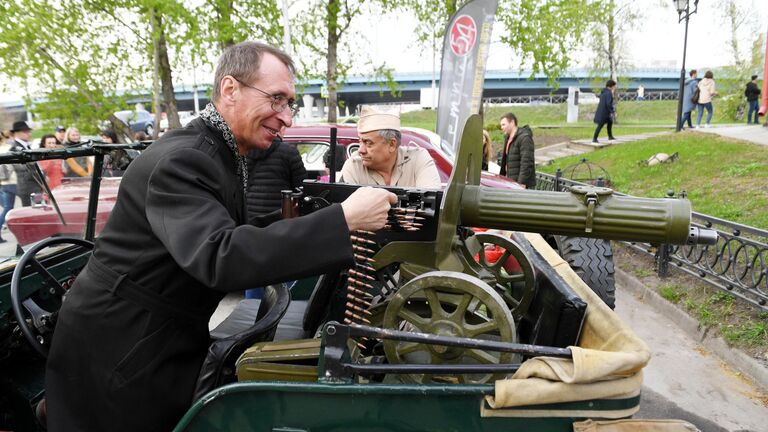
(684, 380)
(757, 134)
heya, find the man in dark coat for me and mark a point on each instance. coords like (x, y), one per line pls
(752, 92)
(518, 160)
(604, 113)
(133, 330)
(25, 183)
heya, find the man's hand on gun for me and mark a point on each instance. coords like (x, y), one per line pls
(367, 208)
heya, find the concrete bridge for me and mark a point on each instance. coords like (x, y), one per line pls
(361, 89)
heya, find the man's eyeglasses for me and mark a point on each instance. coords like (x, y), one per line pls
(279, 102)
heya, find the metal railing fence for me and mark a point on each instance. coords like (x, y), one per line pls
(736, 264)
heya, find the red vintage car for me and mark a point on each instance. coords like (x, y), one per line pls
(31, 224)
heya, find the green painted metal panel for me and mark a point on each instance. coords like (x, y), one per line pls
(275, 406)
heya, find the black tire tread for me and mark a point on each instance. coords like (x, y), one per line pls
(592, 260)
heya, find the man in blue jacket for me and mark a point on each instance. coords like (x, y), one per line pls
(688, 105)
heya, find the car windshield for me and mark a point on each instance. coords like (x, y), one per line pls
(63, 211)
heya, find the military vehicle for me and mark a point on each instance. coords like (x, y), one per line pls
(438, 326)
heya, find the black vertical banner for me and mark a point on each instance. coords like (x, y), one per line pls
(465, 51)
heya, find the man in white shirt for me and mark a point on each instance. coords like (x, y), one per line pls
(381, 160)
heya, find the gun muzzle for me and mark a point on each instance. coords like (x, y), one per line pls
(702, 236)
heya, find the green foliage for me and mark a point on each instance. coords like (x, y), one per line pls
(673, 293)
(750, 333)
(642, 272)
(543, 32)
(75, 68)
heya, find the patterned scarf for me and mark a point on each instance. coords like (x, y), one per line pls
(213, 119)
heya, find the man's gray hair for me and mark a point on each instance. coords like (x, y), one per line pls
(243, 60)
(389, 134)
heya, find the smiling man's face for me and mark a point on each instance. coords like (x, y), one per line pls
(255, 123)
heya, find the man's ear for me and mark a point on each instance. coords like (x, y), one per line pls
(392, 145)
(227, 89)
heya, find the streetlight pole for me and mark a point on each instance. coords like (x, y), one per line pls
(683, 13)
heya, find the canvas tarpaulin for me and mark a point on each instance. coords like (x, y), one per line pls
(607, 363)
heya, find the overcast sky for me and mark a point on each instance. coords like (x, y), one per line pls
(657, 42)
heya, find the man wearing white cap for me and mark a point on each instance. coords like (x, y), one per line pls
(381, 160)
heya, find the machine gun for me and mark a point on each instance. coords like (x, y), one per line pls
(427, 271)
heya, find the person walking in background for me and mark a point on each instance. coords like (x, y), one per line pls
(79, 166)
(270, 171)
(25, 183)
(640, 93)
(688, 105)
(487, 149)
(605, 111)
(706, 93)
(752, 93)
(52, 168)
(518, 161)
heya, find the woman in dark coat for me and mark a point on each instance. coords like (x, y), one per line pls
(604, 113)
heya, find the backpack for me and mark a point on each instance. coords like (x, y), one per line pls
(695, 97)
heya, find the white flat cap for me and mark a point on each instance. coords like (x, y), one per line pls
(372, 120)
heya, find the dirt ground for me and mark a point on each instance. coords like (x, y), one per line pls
(742, 325)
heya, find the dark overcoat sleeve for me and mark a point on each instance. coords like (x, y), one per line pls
(185, 212)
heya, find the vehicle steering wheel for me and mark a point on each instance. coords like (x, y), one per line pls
(40, 330)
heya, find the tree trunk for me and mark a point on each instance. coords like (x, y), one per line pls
(613, 57)
(332, 11)
(155, 72)
(166, 79)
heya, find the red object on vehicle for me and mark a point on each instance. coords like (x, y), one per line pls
(32, 224)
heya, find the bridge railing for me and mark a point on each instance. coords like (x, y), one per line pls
(563, 98)
(736, 264)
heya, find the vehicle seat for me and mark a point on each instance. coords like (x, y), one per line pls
(219, 365)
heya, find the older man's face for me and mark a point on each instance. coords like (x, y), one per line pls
(255, 123)
(376, 152)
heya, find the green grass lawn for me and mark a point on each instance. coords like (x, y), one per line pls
(723, 178)
(630, 114)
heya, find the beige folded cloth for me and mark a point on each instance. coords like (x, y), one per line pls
(607, 363)
(634, 426)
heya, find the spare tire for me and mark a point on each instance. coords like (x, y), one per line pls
(592, 260)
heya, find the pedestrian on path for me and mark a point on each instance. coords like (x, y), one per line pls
(706, 93)
(605, 111)
(752, 93)
(688, 105)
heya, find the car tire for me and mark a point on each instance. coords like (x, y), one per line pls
(150, 130)
(592, 260)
